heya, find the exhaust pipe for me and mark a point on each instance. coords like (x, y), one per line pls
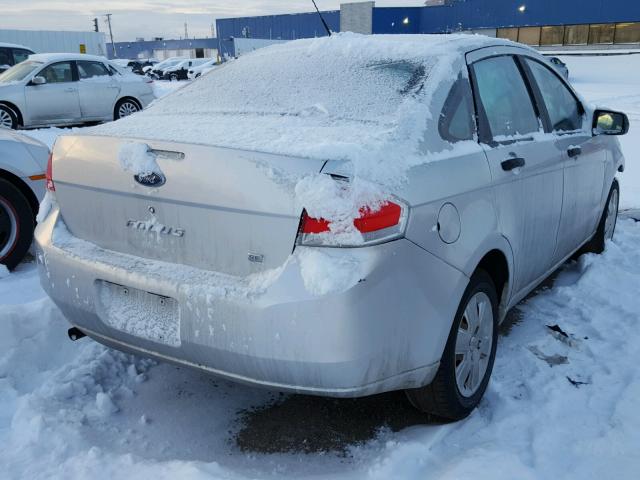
(75, 334)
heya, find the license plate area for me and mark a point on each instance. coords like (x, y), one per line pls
(141, 314)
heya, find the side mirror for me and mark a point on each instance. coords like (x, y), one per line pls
(38, 80)
(606, 122)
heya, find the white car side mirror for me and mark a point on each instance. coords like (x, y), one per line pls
(38, 80)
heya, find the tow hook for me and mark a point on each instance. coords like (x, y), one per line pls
(75, 334)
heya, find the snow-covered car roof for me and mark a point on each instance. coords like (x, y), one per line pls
(338, 97)
(13, 45)
(59, 57)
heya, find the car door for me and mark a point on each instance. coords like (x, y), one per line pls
(98, 90)
(57, 100)
(526, 167)
(584, 158)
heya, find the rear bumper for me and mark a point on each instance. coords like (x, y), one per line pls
(386, 332)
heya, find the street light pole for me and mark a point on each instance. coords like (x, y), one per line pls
(113, 45)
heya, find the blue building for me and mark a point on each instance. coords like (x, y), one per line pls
(542, 23)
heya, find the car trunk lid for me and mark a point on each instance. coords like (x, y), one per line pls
(225, 210)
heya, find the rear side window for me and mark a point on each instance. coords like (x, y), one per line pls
(91, 69)
(504, 98)
(565, 113)
(457, 118)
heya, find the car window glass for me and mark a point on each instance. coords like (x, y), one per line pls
(456, 120)
(20, 55)
(564, 110)
(504, 97)
(5, 57)
(91, 69)
(57, 73)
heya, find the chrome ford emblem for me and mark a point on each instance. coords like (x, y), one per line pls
(150, 179)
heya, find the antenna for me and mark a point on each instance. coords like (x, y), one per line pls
(326, 27)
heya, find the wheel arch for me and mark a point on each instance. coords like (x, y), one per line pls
(24, 189)
(496, 258)
(15, 109)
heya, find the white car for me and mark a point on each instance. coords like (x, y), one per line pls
(10, 54)
(23, 163)
(199, 70)
(68, 89)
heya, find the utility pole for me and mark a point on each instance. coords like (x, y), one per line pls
(186, 32)
(113, 45)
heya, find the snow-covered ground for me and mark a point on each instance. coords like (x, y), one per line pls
(559, 405)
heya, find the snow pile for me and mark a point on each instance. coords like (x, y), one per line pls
(4, 272)
(137, 158)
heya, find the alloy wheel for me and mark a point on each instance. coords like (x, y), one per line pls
(473, 344)
(5, 119)
(126, 109)
(8, 227)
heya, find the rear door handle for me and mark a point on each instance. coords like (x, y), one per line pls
(512, 163)
(574, 151)
(70, 89)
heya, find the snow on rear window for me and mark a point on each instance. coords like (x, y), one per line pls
(342, 88)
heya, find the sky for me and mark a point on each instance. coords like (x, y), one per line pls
(150, 18)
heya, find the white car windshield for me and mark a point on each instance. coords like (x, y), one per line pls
(19, 72)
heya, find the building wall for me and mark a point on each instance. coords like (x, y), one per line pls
(162, 49)
(278, 27)
(357, 17)
(452, 16)
(43, 41)
(476, 14)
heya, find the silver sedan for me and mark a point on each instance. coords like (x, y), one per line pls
(354, 215)
(68, 89)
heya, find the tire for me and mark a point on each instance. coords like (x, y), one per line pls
(8, 118)
(607, 224)
(446, 397)
(126, 107)
(16, 225)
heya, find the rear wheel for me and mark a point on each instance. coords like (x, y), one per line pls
(8, 118)
(467, 361)
(607, 225)
(16, 225)
(126, 107)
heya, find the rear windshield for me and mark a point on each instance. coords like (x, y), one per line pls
(266, 84)
(19, 72)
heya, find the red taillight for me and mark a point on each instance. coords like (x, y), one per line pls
(50, 186)
(375, 225)
(313, 225)
(387, 216)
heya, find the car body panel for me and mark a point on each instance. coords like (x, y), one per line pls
(24, 158)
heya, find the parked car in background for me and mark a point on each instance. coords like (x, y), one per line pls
(560, 66)
(11, 54)
(157, 71)
(197, 70)
(329, 251)
(180, 70)
(138, 66)
(68, 89)
(23, 162)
